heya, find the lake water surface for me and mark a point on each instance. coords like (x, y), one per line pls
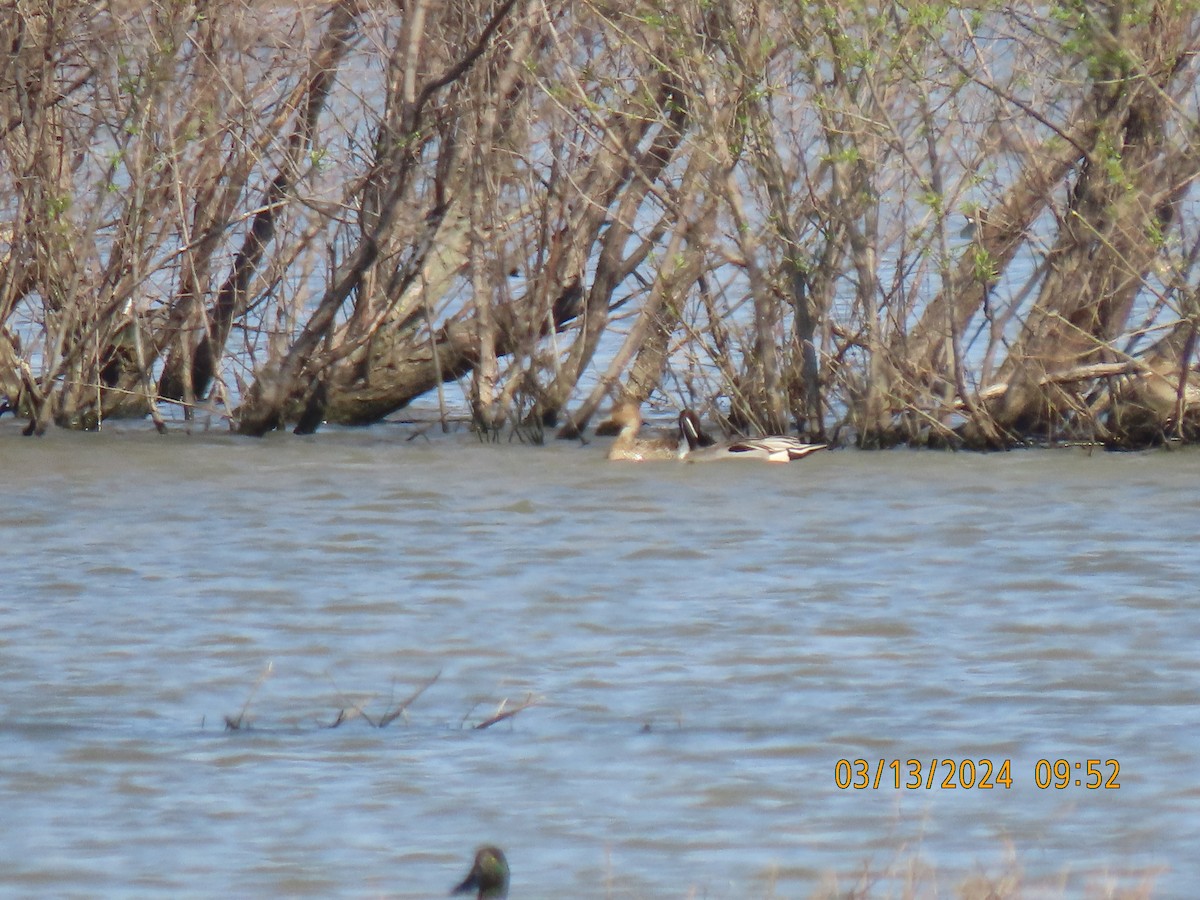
(702, 644)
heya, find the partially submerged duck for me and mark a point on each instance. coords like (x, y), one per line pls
(488, 876)
(628, 446)
(774, 448)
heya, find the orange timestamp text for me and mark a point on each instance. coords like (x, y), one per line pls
(971, 774)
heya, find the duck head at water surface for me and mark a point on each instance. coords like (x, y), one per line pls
(628, 446)
(488, 876)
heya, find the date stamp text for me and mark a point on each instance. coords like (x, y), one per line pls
(972, 774)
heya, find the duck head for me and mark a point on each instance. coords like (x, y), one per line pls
(697, 437)
(627, 415)
(488, 876)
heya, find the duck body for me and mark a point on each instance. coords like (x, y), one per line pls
(628, 446)
(774, 448)
(488, 876)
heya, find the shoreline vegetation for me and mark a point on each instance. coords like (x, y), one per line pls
(926, 224)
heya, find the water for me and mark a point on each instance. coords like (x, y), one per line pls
(701, 644)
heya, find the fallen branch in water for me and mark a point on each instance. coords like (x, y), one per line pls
(239, 722)
(355, 711)
(402, 708)
(502, 713)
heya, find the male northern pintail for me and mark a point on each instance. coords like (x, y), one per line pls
(774, 448)
(488, 876)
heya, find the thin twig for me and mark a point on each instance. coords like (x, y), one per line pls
(402, 708)
(502, 713)
(239, 722)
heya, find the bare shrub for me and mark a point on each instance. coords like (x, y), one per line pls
(292, 213)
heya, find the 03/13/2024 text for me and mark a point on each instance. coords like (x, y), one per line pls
(972, 774)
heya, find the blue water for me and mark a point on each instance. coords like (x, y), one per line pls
(699, 646)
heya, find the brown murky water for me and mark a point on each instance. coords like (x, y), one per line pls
(704, 643)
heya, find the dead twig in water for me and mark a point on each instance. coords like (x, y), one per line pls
(502, 713)
(346, 714)
(402, 708)
(355, 711)
(236, 724)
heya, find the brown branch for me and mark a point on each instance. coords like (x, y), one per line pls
(402, 707)
(238, 722)
(502, 713)
(355, 710)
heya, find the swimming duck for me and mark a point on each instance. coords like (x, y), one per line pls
(976, 221)
(629, 446)
(488, 876)
(774, 448)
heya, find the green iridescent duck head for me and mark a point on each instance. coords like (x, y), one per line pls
(489, 875)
